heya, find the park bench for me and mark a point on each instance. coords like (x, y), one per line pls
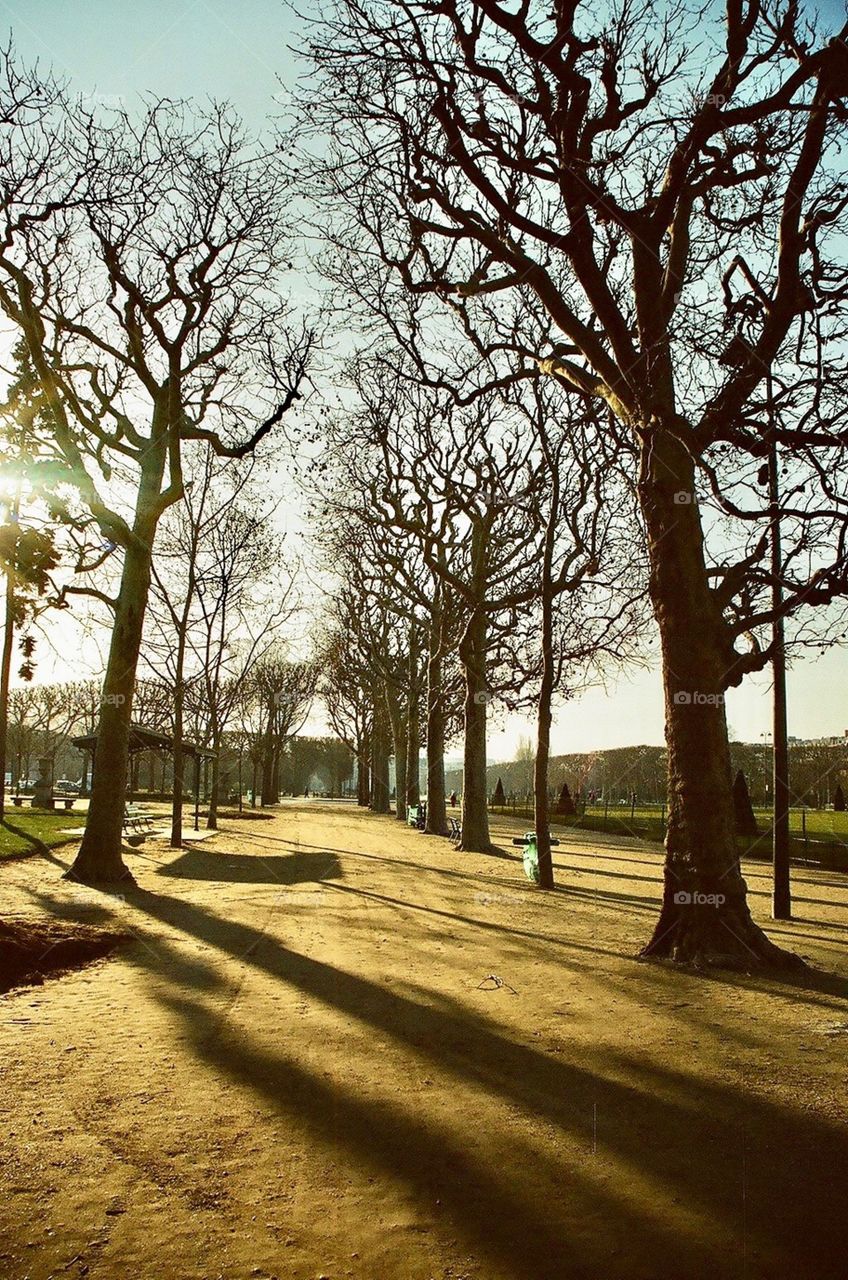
(137, 820)
(417, 816)
(454, 830)
(67, 801)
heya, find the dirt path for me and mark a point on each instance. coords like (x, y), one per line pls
(299, 1070)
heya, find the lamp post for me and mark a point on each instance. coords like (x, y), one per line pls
(781, 908)
(739, 349)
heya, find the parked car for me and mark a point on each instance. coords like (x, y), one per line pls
(65, 784)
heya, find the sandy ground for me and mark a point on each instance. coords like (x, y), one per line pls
(302, 1067)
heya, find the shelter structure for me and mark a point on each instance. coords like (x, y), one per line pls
(143, 739)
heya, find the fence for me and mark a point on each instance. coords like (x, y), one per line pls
(817, 836)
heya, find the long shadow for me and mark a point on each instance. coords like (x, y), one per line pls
(613, 875)
(474, 921)
(520, 1213)
(34, 845)
(251, 868)
(476, 877)
(497, 1215)
(789, 983)
(633, 900)
(594, 855)
(815, 902)
(649, 1129)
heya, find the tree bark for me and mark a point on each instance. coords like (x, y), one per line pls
(379, 762)
(475, 811)
(704, 918)
(99, 858)
(413, 724)
(437, 821)
(177, 757)
(268, 759)
(397, 720)
(363, 773)
(212, 811)
(543, 746)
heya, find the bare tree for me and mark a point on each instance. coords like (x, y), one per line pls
(605, 169)
(140, 261)
(284, 691)
(345, 697)
(217, 603)
(447, 476)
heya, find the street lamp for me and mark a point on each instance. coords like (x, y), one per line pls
(738, 351)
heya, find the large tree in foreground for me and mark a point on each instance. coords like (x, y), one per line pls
(140, 260)
(658, 182)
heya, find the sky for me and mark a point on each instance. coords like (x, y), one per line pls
(240, 52)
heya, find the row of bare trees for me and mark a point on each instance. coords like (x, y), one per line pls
(645, 216)
(45, 718)
(487, 564)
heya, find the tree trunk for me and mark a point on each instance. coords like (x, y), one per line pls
(379, 762)
(475, 811)
(397, 720)
(437, 821)
(268, 760)
(177, 757)
(99, 858)
(363, 779)
(413, 724)
(543, 745)
(704, 918)
(212, 814)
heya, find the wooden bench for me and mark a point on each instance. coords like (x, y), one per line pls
(454, 830)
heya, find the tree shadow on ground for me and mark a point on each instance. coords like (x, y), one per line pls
(789, 983)
(750, 1195)
(197, 863)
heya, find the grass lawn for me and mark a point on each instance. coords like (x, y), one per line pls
(821, 827)
(23, 830)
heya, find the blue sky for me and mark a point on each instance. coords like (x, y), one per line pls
(234, 51)
(240, 52)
